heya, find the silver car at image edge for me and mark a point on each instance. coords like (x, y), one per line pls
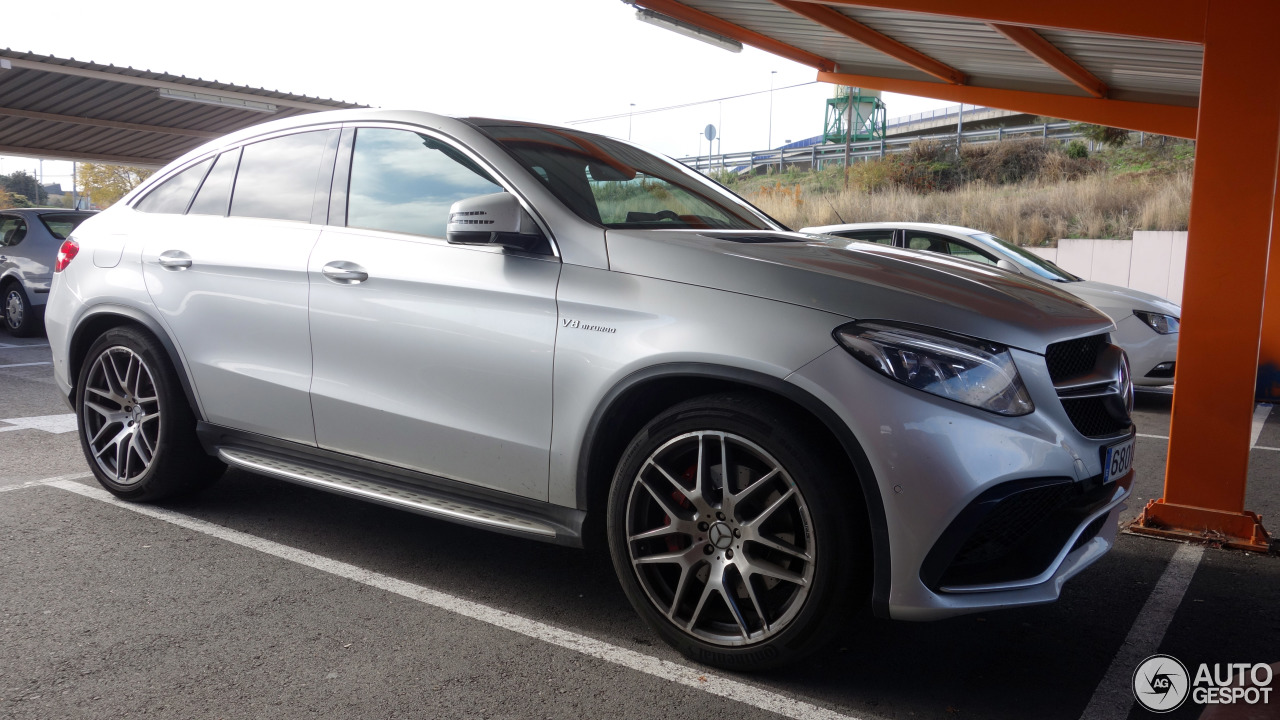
(1146, 324)
(562, 337)
(29, 242)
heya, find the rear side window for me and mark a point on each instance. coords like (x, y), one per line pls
(60, 225)
(215, 193)
(278, 177)
(174, 195)
(881, 237)
(12, 230)
(405, 182)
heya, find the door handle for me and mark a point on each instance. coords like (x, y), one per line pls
(174, 260)
(345, 273)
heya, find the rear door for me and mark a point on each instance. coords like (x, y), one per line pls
(227, 268)
(429, 356)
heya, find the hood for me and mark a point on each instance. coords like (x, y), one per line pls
(861, 281)
(1119, 302)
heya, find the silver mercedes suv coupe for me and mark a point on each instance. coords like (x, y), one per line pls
(559, 336)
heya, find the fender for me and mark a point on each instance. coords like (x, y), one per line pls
(141, 317)
(852, 448)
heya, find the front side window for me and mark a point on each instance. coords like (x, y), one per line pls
(60, 225)
(405, 182)
(278, 177)
(1029, 260)
(616, 185)
(946, 246)
(174, 195)
(12, 230)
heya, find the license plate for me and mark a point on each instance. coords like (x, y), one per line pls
(1117, 460)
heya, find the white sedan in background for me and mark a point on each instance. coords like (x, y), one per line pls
(1146, 325)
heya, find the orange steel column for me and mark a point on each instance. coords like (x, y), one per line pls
(1232, 198)
(1269, 355)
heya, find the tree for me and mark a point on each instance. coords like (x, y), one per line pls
(14, 200)
(1112, 137)
(21, 182)
(105, 184)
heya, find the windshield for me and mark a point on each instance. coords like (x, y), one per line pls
(1029, 260)
(60, 225)
(616, 185)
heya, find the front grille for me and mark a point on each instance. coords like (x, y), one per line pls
(1091, 418)
(1073, 358)
(1011, 521)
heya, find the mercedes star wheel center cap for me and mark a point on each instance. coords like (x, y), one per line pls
(720, 536)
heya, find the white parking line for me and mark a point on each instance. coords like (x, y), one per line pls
(14, 365)
(1114, 695)
(664, 669)
(56, 424)
(1260, 414)
(46, 481)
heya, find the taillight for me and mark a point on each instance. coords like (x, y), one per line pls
(66, 254)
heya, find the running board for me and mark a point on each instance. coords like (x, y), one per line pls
(397, 495)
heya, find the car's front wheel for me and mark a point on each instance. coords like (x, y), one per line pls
(136, 428)
(734, 535)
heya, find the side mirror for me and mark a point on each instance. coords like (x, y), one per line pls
(495, 219)
(1008, 265)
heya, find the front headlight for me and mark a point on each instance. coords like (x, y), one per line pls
(1163, 324)
(964, 369)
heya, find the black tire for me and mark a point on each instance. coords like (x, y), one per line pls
(824, 520)
(177, 464)
(21, 318)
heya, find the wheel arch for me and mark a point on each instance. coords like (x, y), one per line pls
(100, 319)
(642, 395)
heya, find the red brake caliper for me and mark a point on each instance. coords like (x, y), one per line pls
(673, 545)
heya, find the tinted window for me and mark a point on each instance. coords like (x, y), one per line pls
(883, 237)
(174, 195)
(402, 181)
(215, 193)
(946, 246)
(12, 230)
(1030, 260)
(277, 177)
(60, 225)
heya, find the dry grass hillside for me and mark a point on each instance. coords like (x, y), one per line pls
(1031, 192)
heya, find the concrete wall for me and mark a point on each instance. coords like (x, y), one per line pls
(1153, 262)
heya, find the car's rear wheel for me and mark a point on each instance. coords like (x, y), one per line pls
(136, 428)
(733, 534)
(20, 317)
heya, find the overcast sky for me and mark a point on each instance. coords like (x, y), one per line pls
(552, 61)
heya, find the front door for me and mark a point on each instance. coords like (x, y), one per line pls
(430, 356)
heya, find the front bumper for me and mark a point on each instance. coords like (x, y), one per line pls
(934, 458)
(1146, 349)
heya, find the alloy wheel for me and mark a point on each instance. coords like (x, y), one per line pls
(13, 309)
(720, 538)
(121, 414)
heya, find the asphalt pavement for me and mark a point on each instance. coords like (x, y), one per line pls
(262, 599)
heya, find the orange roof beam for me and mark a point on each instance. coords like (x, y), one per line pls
(1049, 54)
(1175, 120)
(711, 23)
(1176, 20)
(850, 28)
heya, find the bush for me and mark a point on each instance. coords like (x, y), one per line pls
(1077, 149)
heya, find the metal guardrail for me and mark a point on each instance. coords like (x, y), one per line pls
(939, 113)
(819, 156)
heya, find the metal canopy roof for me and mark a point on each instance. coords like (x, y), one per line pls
(1142, 80)
(67, 109)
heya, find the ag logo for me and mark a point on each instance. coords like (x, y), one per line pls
(1161, 683)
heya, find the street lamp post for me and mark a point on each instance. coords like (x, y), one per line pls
(771, 78)
(630, 112)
